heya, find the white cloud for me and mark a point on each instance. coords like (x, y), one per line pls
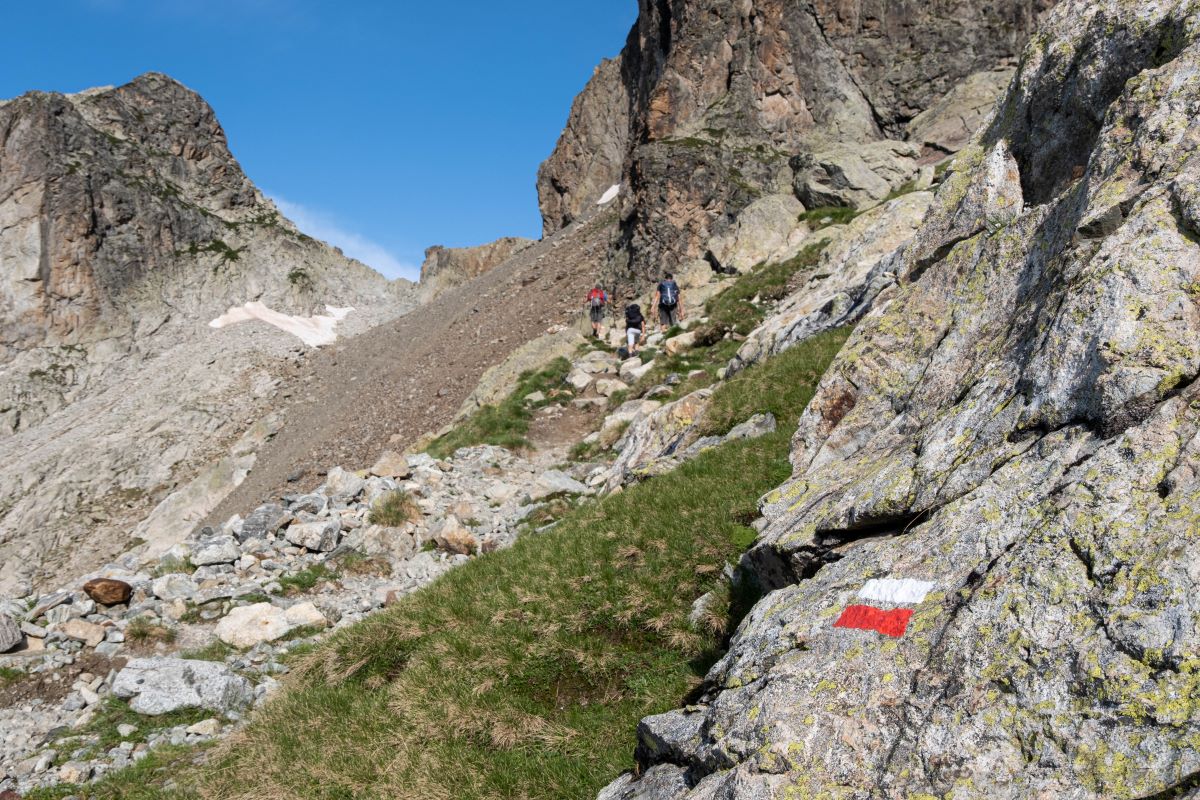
(320, 225)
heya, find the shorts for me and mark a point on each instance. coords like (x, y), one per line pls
(596, 313)
(668, 315)
(632, 335)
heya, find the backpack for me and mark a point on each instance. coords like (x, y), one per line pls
(633, 316)
(668, 293)
(596, 298)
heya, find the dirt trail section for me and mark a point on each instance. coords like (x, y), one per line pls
(394, 383)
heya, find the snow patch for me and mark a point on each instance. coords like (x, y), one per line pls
(313, 331)
(610, 195)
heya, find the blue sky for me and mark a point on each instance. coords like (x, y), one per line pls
(384, 127)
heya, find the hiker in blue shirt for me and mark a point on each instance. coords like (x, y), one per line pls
(669, 302)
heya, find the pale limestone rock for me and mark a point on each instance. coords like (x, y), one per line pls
(391, 465)
(87, 632)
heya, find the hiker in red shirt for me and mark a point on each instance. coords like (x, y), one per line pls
(597, 299)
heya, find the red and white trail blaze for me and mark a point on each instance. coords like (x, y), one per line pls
(889, 622)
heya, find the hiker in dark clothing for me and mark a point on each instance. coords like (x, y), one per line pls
(635, 328)
(669, 302)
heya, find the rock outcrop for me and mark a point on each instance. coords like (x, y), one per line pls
(858, 262)
(126, 225)
(982, 576)
(447, 267)
(712, 105)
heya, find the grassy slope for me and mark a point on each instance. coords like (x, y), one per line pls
(506, 423)
(523, 673)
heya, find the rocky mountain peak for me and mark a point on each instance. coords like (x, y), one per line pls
(126, 226)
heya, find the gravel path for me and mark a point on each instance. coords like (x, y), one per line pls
(391, 385)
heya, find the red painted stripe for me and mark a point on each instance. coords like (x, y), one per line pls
(868, 618)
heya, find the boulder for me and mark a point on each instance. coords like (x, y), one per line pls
(319, 537)
(315, 504)
(10, 634)
(395, 544)
(597, 362)
(157, 686)
(262, 522)
(753, 428)
(555, 482)
(769, 230)
(392, 465)
(341, 484)
(215, 550)
(607, 388)
(616, 422)
(75, 772)
(658, 434)
(305, 615)
(579, 379)
(108, 592)
(678, 344)
(80, 630)
(174, 586)
(248, 626)
(208, 727)
(858, 176)
(451, 536)
(633, 369)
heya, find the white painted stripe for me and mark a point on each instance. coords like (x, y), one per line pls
(889, 590)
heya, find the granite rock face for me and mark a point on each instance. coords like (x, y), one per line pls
(1017, 428)
(856, 269)
(710, 100)
(447, 267)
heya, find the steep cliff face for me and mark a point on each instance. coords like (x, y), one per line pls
(982, 576)
(125, 226)
(723, 96)
(447, 267)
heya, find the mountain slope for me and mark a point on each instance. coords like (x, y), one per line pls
(125, 226)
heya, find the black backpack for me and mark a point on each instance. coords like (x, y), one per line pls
(633, 316)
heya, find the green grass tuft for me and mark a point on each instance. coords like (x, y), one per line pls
(216, 650)
(506, 424)
(393, 510)
(142, 631)
(305, 580)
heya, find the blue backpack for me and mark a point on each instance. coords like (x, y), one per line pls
(668, 293)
